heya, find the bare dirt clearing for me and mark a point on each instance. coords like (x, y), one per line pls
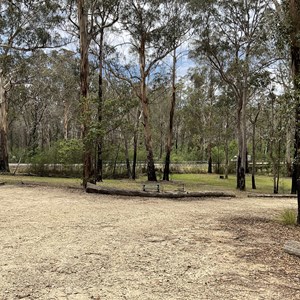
(66, 244)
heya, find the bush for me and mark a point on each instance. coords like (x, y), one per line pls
(70, 151)
(288, 217)
(38, 165)
(60, 159)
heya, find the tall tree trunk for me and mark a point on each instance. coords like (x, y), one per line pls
(84, 72)
(254, 148)
(298, 200)
(227, 143)
(273, 141)
(244, 141)
(241, 162)
(146, 114)
(294, 20)
(171, 121)
(135, 144)
(209, 170)
(211, 98)
(134, 161)
(295, 54)
(148, 142)
(4, 166)
(253, 157)
(242, 126)
(278, 163)
(99, 160)
(275, 167)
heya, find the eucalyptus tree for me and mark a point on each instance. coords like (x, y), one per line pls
(202, 107)
(40, 94)
(233, 39)
(123, 115)
(181, 25)
(207, 119)
(148, 23)
(128, 74)
(211, 98)
(65, 80)
(253, 118)
(284, 79)
(82, 17)
(86, 33)
(194, 107)
(25, 26)
(223, 120)
(158, 92)
(107, 14)
(44, 108)
(288, 11)
(276, 113)
(88, 20)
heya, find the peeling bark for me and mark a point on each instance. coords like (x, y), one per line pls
(84, 72)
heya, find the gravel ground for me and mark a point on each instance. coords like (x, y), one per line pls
(66, 244)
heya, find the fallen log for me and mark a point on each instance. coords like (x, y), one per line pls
(292, 247)
(271, 195)
(92, 188)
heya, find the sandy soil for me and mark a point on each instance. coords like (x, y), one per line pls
(65, 244)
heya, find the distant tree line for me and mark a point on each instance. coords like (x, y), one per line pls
(88, 81)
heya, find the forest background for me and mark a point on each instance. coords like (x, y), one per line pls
(98, 83)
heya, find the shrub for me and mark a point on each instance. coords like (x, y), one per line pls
(70, 151)
(38, 165)
(288, 217)
(60, 159)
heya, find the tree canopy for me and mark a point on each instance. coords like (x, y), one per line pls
(117, 92)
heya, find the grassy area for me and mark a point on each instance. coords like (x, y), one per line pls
(264, 184)
(52, 181)
(191, 182)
